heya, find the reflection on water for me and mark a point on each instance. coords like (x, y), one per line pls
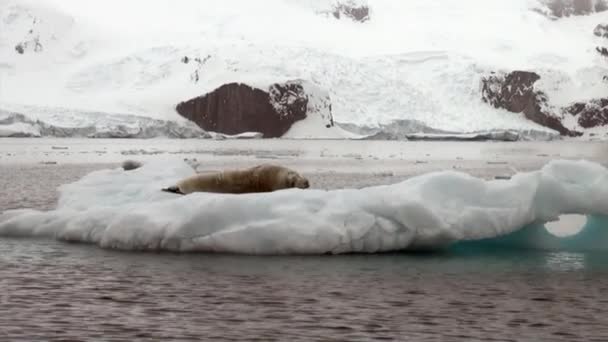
(565, 261)
(86, 293)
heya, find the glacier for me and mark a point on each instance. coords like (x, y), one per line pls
(413, 60)
(65, 123)
(126, 210)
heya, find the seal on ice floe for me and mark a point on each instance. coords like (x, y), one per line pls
(261, 178)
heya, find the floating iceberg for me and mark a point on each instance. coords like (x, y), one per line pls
(126, 210)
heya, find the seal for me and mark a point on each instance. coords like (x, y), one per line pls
(260, 178)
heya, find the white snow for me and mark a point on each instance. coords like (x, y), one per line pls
(126, 210)
(413, 60)
(318, 124)
(244, 135)
(19, 129)
(63, 122)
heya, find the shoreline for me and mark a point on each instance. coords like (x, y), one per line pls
(69, 150)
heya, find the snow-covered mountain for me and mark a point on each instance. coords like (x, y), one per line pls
(411, 61)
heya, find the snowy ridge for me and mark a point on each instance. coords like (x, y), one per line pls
(94, 59)
(33, 29)
(126, 210)
(319, 123)
(416, 130)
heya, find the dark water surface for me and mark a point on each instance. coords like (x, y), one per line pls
(53, 290)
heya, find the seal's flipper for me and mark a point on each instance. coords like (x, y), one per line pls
(174, 190)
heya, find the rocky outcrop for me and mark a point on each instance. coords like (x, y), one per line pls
(351, 9)
(567, 8)
(601, 30)
(590, 114)
(33, 45)
(198, 64)
(600, 5)
(515, 92)
(236, 108)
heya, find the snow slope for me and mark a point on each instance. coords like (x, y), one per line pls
(413, 60)
(126, 210)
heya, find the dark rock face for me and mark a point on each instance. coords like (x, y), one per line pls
(351, 10)
(566, 8)
(601, 5)
(601, 30)
(237, 108)
(602, 51)
(515, 92)
(591, 114)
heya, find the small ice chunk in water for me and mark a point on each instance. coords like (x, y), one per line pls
(129, 165)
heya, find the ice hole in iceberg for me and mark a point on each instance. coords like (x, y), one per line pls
(567, 225)
(126, 210)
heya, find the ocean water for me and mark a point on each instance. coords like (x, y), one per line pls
(54, 290)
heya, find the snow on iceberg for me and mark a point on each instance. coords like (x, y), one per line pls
(126, 210)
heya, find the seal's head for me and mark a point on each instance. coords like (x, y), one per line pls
(294, 180)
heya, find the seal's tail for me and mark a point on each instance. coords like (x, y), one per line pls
(173, 189)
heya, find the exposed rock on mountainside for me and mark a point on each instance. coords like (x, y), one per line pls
(235, 108)
(566, 8)
(591, 114)
(32, 30)
(601, 30)
(515, 92)
(351, 9)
